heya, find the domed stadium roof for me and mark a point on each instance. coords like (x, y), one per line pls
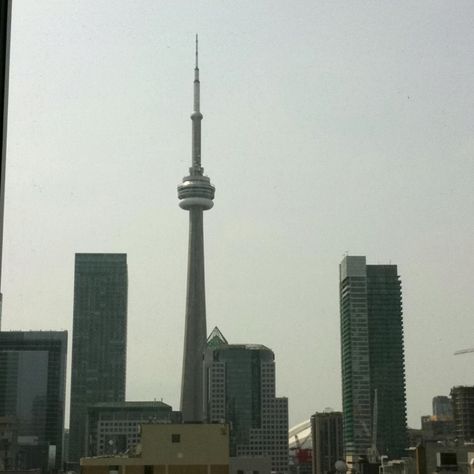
(300, 436)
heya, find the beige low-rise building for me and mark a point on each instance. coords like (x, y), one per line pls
(169, 449)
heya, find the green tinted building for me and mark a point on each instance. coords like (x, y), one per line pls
(372, 356)
(99, 339)
(32, 392)
(240, 390)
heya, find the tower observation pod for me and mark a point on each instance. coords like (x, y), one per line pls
(196, 194)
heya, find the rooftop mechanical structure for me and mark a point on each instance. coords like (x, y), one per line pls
(196, 194)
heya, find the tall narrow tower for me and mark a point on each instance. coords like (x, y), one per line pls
(99, 339)
(372, 356)
(195, 194)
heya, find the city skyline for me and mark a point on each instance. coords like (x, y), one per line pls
(328, 130)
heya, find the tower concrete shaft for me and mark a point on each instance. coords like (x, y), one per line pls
(195, 194)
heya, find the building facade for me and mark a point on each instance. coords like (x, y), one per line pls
(442, 407)
(32, 396)
(326, 433)
(434, 428)
(114, 427)
(372, 357)
(191, 448)
(463, 412)
(240, 390)
(99, 343)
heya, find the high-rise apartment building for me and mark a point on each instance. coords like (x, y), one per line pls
(372, 357)
(99, 336)
(32, 392)
(326, 433)
(240, 390)
(463, 411)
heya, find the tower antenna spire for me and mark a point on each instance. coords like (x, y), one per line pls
(196, 194)
(196, 117)
(197, 52)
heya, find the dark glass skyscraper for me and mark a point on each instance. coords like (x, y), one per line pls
(99, 344)
(240, 389)
(326, 432)
(372, 356)
(32, 391)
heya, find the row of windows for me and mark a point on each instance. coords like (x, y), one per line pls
(118, 423)
(104, 431)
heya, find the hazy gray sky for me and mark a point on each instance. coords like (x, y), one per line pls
(329, 127)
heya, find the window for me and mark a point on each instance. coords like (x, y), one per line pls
(175, 438)
(147, 469)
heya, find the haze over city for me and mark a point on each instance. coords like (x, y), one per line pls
(329, 128)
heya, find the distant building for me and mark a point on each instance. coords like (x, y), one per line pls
(114, 427)
(445, 458)
(240, 390)
(99, 343)
(463, 411)
(372, 356)
(250, 465)
(397, 466)
(435, 429)
(32, 391)
(442, 407)
(326, 430)
(191, 448)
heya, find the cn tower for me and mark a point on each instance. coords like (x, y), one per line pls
(195, 194)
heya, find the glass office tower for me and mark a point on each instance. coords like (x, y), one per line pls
(32, 393)
(99, 339)
(240, 390)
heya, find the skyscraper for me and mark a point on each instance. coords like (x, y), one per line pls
(463, 411)
(326, 432)
(32, 392)
(372, 356)
(240, 389)
(99, 342)
(195, 194)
